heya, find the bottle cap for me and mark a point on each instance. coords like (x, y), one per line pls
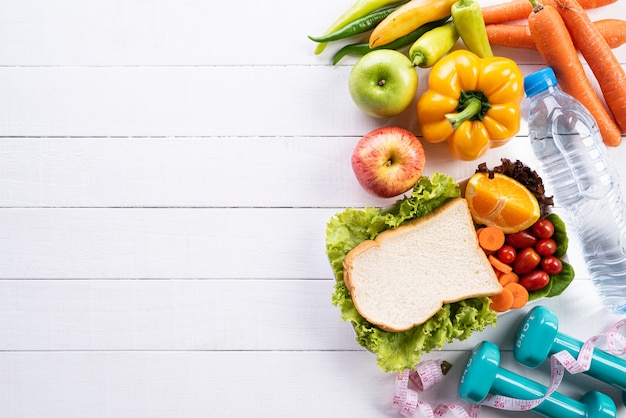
(539, 81)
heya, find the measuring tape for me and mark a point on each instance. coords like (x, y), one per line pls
(426, 375)
(429, 373)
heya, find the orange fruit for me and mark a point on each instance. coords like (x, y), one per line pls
(501, 201)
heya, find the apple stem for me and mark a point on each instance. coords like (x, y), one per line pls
(473, 105)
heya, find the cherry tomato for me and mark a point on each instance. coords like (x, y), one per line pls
(521, 239)
(543, 228)
(535, 280)
(507, 254)
(546, 246)
(527, 260)
(551, 265)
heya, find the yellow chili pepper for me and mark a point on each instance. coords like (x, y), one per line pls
(472, 103)
(407, 18)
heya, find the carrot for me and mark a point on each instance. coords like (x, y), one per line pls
(518, 36)
(558, 51)
(520, 295)
(512, 10)
(598, 54)
(512, 36)
(503, 301)
(506, 278)
(491, 238)
(613, 31)
(499, 265)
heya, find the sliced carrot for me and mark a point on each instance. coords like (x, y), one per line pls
(520, 295)
(518, 36)
(506, 278)
(604, 64)
(503, 301)
(555, 45)
(491, 238)
(499, 265)
(512, 10)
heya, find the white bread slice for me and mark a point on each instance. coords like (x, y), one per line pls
(404, 276)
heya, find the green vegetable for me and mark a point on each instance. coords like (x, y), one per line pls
(468, 19)
(360, 49)
(358, 26)
(433, 45)
(359, 9)
(397, 351)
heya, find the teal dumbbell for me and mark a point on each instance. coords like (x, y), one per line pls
(538, 338)
(483, 376)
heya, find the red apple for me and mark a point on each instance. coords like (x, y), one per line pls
(388, 161)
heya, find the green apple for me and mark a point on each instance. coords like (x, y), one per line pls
(383, 83)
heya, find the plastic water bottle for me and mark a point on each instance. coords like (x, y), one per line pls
(566, 141)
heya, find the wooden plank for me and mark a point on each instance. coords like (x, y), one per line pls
(184, 102)
(201, 172)
(133, 33)
(177, 243)
(274, 101)
(190, 32)
(201, 384)
(218, 315)
(171, 315)
(164, 243)
(208, 172)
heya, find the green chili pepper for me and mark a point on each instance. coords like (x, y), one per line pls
(357, 26)
(433, 45)
(470, 25)
(361, 49)
(359, 9)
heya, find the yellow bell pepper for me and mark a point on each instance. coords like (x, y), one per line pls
(472, 103)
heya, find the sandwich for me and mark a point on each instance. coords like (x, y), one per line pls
(411, 278)
(431, 224)
(401, 278)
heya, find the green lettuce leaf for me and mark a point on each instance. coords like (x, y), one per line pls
(396, 351)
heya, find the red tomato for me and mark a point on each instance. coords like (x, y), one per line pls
(535, 280)
(507, 254)
(551, 265)
(546, 246)
(521, 239)
(543, 228)
(527, 260)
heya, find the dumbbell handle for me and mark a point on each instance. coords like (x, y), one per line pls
(483, 376)
(538, 338)
(556, 405)
(604, 366)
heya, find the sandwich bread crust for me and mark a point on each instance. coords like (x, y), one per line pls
(405, 275)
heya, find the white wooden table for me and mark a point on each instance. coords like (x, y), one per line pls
(167, 169)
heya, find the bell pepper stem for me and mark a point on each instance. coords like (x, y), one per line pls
(472, 108)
